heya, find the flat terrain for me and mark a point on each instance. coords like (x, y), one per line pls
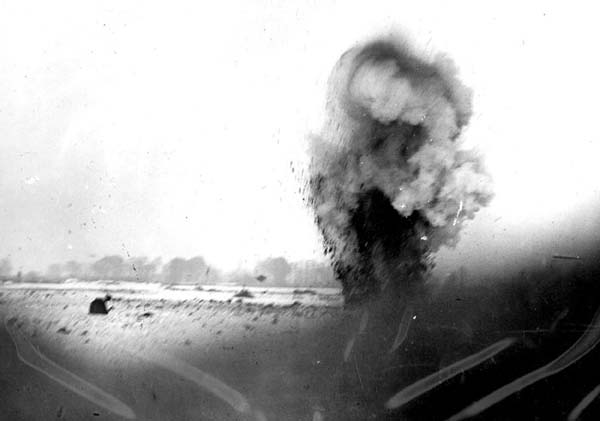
(270, 354)
(182, 354)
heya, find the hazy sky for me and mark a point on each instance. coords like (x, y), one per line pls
(168, 128)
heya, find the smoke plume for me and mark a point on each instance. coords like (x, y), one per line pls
(389, 183)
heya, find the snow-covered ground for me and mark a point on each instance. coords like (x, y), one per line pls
(278, 296)
(170, 353)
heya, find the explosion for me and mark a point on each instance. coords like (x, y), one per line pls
(388, 181)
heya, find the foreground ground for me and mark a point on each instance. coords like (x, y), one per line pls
(271, 355)
(180, 356)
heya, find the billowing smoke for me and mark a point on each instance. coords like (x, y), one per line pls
(389, 182)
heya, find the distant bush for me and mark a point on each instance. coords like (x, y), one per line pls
(32, 276)
(5, 268)
(244, 293)
(305, 291)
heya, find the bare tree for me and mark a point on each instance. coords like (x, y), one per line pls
(109, 267)
(73, 269)
(140, 269)
(195, 269)
(174, 270)
(5, 267)
(32, 276)
(311, 273)
(276, 269)
(155, 267)
(54, 271)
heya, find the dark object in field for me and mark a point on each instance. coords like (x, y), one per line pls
(261, 278)
(98, 306)
(305, 291)
(244, 293)
(64, 331)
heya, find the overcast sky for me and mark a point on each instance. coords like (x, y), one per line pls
(171, 128)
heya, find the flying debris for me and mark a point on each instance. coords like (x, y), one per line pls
(564, 257)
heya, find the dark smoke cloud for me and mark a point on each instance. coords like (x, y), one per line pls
(389, 183)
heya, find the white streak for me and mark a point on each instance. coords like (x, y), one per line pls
(585, 402)
(407, 317)
(348, 349)
(31, 356)
(426, 384)
(207, 382)
(364, 320)
(460, 208)
(579, 349)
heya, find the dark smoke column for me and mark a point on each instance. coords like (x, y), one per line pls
(388, 182)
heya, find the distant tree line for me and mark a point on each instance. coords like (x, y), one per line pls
(273, 271)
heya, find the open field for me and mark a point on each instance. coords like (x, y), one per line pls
(182, 354)
(259, 350)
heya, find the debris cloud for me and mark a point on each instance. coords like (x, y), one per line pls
(389, 182)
